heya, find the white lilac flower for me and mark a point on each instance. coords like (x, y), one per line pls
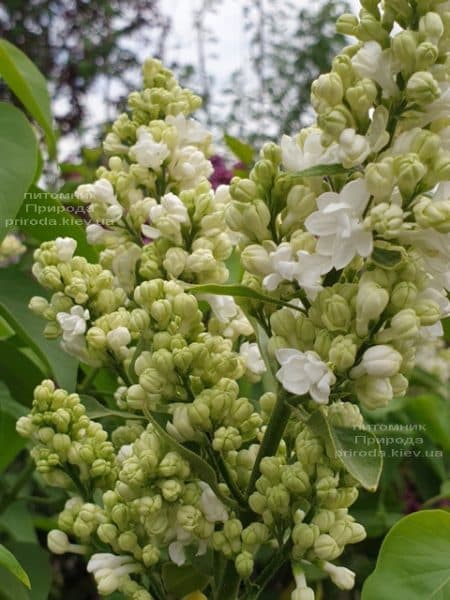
(148, 153)
(190, 132)
(342, 577)
(252, 356)
(309, 154)
(211, 506)
(304, 372)
(433, 248)
(353, 148)
(378, 361)
(124, 265)
(118, 338)
(309, 272)
(189, 167)
(439, 108)
(167, 218)
(339, 226)
(109, 570)
(65, 248)
(373, 62)
(284, 267)
(100, 191)
(73, 325)
(223, 307)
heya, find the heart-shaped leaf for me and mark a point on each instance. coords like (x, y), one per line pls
(413, 563)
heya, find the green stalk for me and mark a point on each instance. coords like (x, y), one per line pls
(229, 585)
(271, 439)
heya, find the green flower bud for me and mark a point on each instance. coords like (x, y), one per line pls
(232, 529)
(295, 479)
(341, 532)
(342, 352)
(255, 259)
(403, 295)
(347, 24)
(431, 27)
(128, 542)
(361, 96)
(254, 535)
(404, 46)
(380, 178)
(371, 300)
(373, 392)
(409, 171)
(263, 173)
(324, 519)
(433, 213)
(304, 535)
(278, 500)
(226, 439)
(387, 219)
(399, 384)
(150, 555)
(327, 91)
(108, 533)
(270, 467)
(404, 324)
(188, 517)
(422, 88)
(257, 503)
(426, 55)
(326, 548)
(428, 312)
(243, 190)
(244, 564)
(337, 314)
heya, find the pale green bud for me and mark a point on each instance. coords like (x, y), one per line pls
(403, 295)
(270, 467)
(150, 555)
(405, 324)
(244, 564)
(370, 28)
(272, 152)
(128, 541)
(255, 259)
(342, 65)
(373, 392)
(306, 331)
(342, 532)
(255, 534)
(257, 502)
(263, 173)
(188, 517)
(305, 593)
(426, 55)
(422, 88)
(295, 479)
(371, 300)
(431, 27)
(232, 529)
(380, 178)
(175, 261)
(336, 314)
(108, 533)
(278, 500)
(347, 24)
(327, 91)
(226, 439)
(58, 542)
(387, 219)
(399, 384)
(171, 490)
(404, 47)
(361, 96)
(342, 352)
(409, 171)
(38, 305)
(322, 343)
(326, 547)
(243, 190)
(428, 312)
(433, 213)
(324, 519)
(333, 122)
(304, 535)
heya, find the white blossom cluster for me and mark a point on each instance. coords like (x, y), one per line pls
(343, 234)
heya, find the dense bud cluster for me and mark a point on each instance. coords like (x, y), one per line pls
(343, 236)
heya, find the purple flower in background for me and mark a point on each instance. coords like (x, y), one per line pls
(221, 174)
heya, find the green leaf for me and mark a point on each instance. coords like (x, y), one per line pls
(16, 290)
(17, 520)
(240, 149)
(357, 450)
(30, 86)
(43, 217)
(18, 164)
(262, 339)
(237, 291)
(13, 365)
(386, 258)
(11, 441)
(432, 413)
(320, 171)
(10, 562)
(181, 581)
(97, 410)
(413, 563)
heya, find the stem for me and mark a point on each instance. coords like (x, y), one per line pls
(271, 439)
(229, 585)
(10, 496)
(220, 465)
(88, 380)
(269, 571)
